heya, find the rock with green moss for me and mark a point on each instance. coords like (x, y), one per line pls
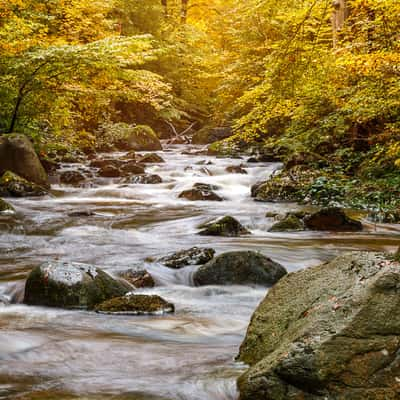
(13, 185)
(289, 223)
(6, 207)
(18, 155)
(327, 332)
(208, 135)
(239, 268)
(226, 226)
(138, 304)
(71, 285)
(141, 138)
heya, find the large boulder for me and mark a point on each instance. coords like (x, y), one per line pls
(330, 332)
(332, 219)
(18, 155)
(14, 185)
(183, 258)
(210, 135)
(225, 226)
(138, 304)
(71, 285)
(239, 268)
(141, 138)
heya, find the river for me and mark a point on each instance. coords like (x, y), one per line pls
(60, 354)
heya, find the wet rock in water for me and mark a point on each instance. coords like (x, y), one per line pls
(183, 258)
(18, 155)
(236, 169)
(205, 186)
(138, 304)
(82, 213)
(6, 207)
(289, 223)
(71, 285)
(105, 163)
(71, 177)
(15, 186)
(151, 159)
(226, 226)
(49, 165)
(131, 156)
(204, 162)
(327, 332)
(109, 171)
(239, 268)
(332, 219)
(144, 179)
(139, 278)
(131, 167)
(197, 194)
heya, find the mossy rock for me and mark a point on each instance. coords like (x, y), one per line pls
(289, 223)
(71, 285)
(239, 268)
(136, 305)
(208, 135)
(18, 155)
(13, 185)
(226, 226)
(6, 207)
(141, 138)
(327, 332)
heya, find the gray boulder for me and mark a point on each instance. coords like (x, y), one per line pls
(71, 285)
(183, 258)
(239, 268)
(18, 155)
(330, 332)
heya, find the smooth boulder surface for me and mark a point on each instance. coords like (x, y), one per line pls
(289, 223)
(71, 285)
(139, 278)
(332, 219)
(330, 332)
(239, 268)
(15, 186)
(18, 155)
(183, 258)
(226, 226)
(138, 304)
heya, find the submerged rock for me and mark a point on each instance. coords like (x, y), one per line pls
(144, 179)
(239, 268)
(13, 185)
(289, 223)
(139, 278)
(327, 332)
(71, 285)
(196, 194)
(138, 304)
(18, 155)
(226, 226)
(332, 219)
(183, 258)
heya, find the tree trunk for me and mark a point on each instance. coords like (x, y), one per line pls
(340, 14)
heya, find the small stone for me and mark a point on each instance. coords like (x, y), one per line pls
(183, 258)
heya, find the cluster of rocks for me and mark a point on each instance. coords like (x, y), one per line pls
(327, 219)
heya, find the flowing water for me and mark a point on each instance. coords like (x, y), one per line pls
(61, 354)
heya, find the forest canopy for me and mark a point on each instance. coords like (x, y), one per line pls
(305, 77)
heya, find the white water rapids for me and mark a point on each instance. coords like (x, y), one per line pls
(60, 354)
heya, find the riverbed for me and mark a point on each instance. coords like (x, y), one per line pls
(190, 355)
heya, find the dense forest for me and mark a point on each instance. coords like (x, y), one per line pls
(309, 82)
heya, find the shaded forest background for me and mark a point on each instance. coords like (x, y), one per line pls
(309, 82)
